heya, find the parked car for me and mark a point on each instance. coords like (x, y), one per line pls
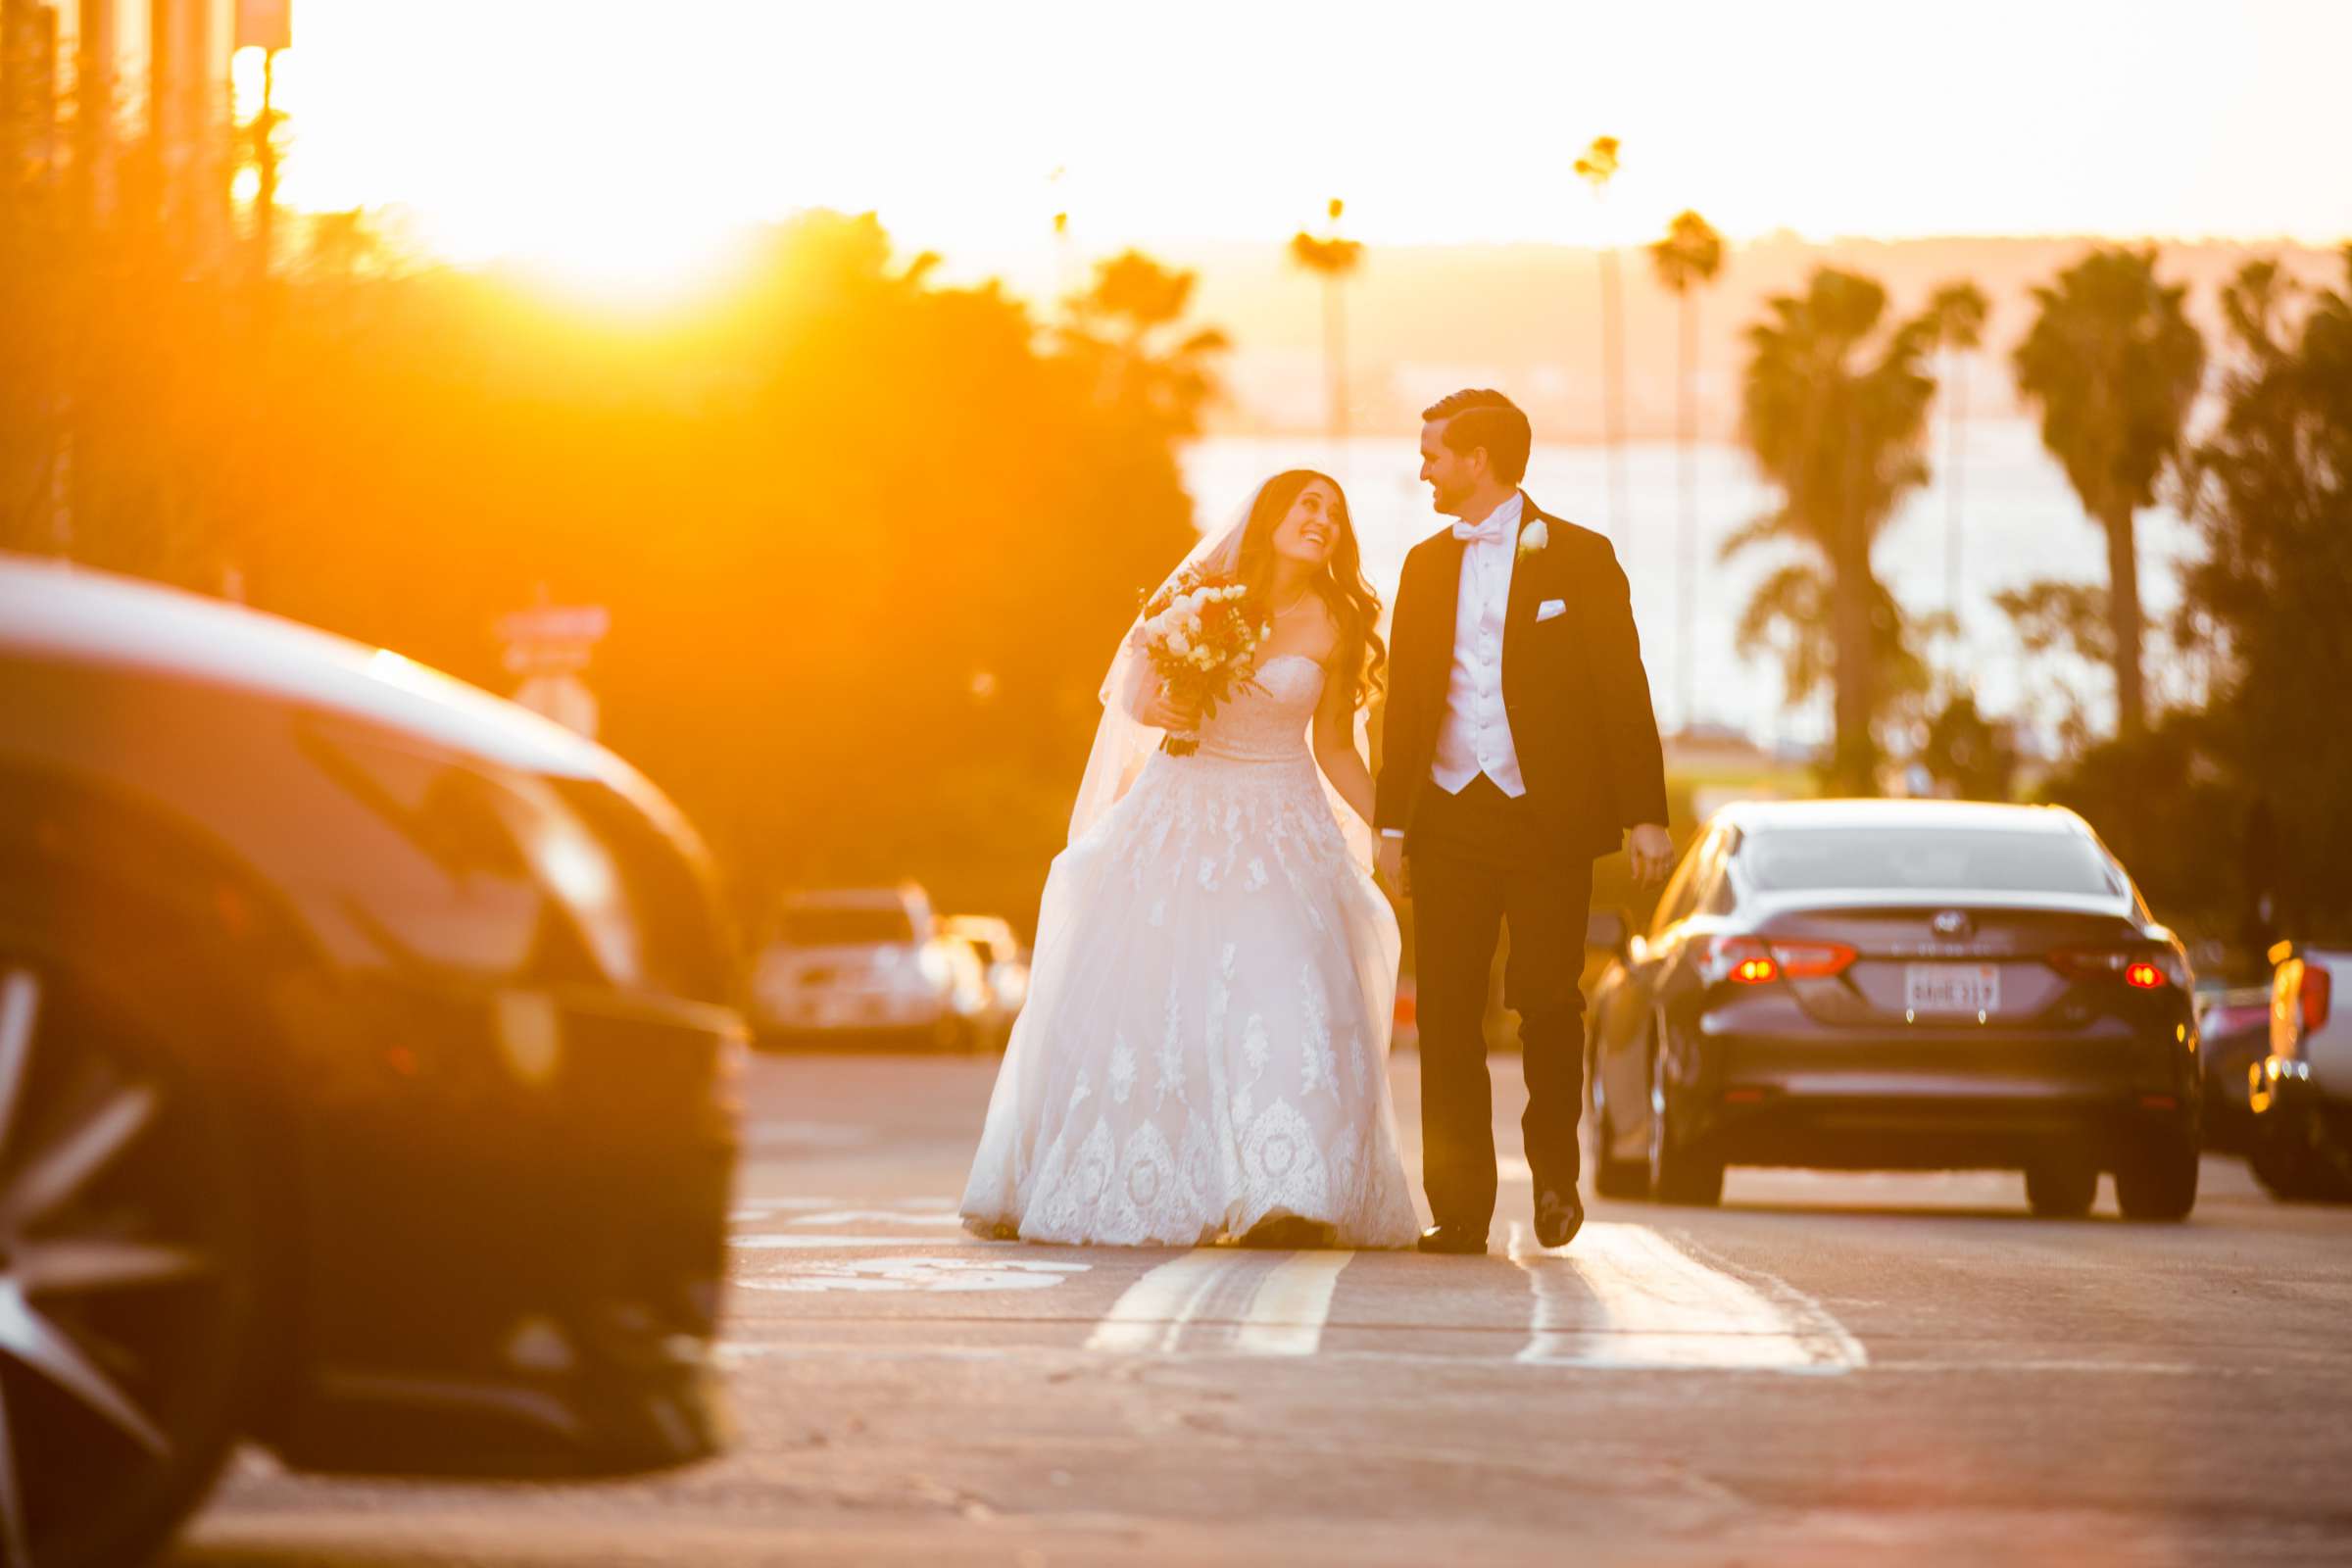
(2301, 1094)
(866, 966)
(1899, 985)
(1006, 965)
(2234, 1028)
(367, 1049)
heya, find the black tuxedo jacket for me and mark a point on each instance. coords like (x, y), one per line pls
(1573, 688)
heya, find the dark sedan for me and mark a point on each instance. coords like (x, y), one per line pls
(367, 1049)
(1899, 985)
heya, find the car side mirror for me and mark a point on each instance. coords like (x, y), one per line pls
(1611, 931)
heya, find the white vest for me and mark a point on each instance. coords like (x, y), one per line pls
(1475, 735)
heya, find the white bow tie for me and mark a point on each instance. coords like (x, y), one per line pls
(1488, 532)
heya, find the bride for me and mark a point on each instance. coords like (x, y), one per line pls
(1205, 1050)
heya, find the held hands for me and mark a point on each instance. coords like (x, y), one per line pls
(1389, 864)
(1651, 850)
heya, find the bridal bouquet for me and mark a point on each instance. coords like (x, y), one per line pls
(1201, 643)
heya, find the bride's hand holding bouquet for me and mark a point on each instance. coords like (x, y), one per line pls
(1202, 642)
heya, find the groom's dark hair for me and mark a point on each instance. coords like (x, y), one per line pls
(1478, 416)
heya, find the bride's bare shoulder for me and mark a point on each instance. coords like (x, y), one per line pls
(1317, 634)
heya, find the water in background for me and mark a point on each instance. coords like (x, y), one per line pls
(2019, 521)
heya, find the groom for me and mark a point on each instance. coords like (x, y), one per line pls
(1519, 744)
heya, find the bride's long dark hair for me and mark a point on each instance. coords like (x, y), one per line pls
(1362, 657)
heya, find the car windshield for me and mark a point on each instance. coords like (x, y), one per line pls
(846, 926)
(1895, 859)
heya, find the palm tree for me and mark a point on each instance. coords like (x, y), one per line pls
(2113, 363)
(1334, 260)
(1959, 310)
(1686, 261)
(1834, 411)
(1130, 329)
(1596, 168)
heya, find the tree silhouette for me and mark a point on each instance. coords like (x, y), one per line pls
(1130, 328)
(1834, 411)
(865, 538)
(1596, 168)
(1686, 261)
(1959, 310)
(2270, 492)
(1333, 259)
(2114, 364)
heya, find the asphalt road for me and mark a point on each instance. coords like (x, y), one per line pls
(1829, 1369)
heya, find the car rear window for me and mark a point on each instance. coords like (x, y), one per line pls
(846, 927)
(1876, 859)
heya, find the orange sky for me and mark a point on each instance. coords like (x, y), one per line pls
(624, 142)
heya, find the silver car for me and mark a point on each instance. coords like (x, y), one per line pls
(1006, 965)
(865, 966)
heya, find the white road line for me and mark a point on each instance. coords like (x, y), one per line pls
(1281, 1313)
(1286, 1316)
(1151, 1314)
(770, 1241)
(927, 1275)
(1624, 1297)
(731, 1351)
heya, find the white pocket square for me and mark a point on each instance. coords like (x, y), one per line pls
(1550, 607)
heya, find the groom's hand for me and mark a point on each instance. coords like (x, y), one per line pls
(1652, 850)
(1388, 862)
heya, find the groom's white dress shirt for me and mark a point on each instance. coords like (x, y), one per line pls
(1476, 736)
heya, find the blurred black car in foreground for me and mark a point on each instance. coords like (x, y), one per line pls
(1899, 985)
(367, 1060)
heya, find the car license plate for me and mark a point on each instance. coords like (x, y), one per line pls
(1953, 988)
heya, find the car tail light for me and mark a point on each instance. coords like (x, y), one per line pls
(2300, 997)
(1812, 961)
(1754, 961)
(1744, 961)
(2141, 968)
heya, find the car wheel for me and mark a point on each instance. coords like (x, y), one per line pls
(2287, 1151)
(2158, 1181)
(2061, 1187)
(1677, 1173)
(2278, 1160)
(130, 1256)
(1612, 1177)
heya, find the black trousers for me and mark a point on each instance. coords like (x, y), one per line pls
(1480, 859)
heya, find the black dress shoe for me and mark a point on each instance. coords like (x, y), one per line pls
(1457, 1240)
(1558, 1217)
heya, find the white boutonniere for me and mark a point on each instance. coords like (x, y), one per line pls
(1533, 537)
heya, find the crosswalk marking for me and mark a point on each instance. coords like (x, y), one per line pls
(1286, 1316)
(767, 1242)
(1151, 1314)
(1237, 1302)
(1627, 1298)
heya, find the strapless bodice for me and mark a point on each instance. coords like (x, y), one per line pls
(1266, 720)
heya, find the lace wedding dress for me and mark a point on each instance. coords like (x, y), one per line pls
(1206, 1041)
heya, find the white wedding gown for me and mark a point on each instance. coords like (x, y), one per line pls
(1206, 1041)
